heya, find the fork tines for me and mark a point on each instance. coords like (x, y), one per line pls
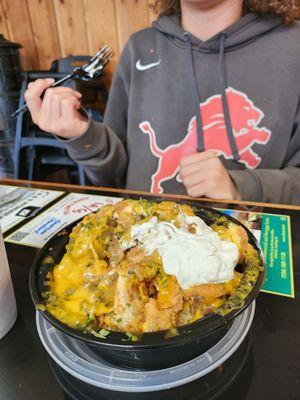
(102, 53)
(98, 62)
(107, 57)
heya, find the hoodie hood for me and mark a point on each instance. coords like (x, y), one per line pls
(249, 28)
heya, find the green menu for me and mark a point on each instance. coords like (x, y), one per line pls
(273, 232)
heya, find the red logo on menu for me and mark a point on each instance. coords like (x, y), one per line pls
(84, 205)
(245, 120)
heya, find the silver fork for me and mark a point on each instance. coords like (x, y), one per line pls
(93, 69)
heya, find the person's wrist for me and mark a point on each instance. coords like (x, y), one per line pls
(75, 133)
(83, 127)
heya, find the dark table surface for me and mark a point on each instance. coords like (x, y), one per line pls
(271, 370)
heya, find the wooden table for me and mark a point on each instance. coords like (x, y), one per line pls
(271, 370)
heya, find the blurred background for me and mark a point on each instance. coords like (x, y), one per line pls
(43, 38)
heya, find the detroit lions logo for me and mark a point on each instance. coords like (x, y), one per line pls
(245, 120)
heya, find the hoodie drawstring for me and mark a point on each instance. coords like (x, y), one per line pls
(196, 96)
(194, 89)
(223, 83)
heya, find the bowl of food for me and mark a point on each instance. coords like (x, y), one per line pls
(148, 284)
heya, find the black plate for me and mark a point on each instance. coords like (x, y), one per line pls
(153, 350)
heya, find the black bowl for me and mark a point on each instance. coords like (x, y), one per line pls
(154, 350)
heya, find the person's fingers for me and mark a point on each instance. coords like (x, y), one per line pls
(198, 190)
(37, 88)
(206, 166)
(69, 106)
(64, 90)
(33, 96)
(196, 157)
(194, 179)
(51, 110)
(55, 108)
(190, 169)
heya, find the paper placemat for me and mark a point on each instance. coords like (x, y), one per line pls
(38, 231)
(19, 203)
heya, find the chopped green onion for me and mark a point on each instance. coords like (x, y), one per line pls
(90, 317)
(102, 334)
(132, 337)
(110, 314)
(40, 307)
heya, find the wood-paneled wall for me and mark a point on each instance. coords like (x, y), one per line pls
(50, 29)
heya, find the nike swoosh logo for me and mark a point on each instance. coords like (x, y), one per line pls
(141, 67)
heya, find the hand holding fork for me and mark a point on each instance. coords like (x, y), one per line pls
(55, 108)
(93, 69)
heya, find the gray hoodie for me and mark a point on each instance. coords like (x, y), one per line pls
(173, 95)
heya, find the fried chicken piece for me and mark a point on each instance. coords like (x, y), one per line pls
(124, 213)
(127, 305)
(114, 252)
(157, 319)
(136, 255)
(144, 266)
(213, 291)
(209, 290)
(169, 294)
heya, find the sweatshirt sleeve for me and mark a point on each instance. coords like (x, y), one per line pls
(101, 150)
(274, 185)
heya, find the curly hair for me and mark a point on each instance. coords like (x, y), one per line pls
(288, 10)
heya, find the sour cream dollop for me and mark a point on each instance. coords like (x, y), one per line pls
(194, 258)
